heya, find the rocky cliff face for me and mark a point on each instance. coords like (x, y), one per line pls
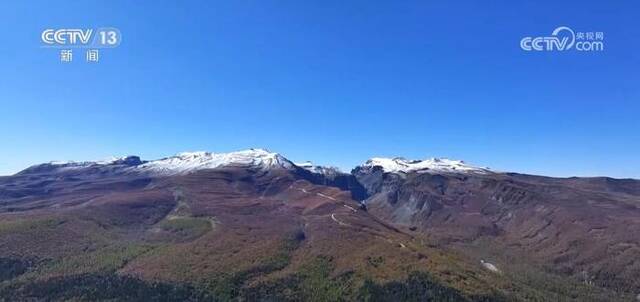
(572, 226)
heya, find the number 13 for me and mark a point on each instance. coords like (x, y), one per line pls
(108, 37)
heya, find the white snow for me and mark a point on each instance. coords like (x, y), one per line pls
(107, 161)
(61, 162)
(319, 169)
(395, 165)
(192, 161)
(110, 160)
(187, 162)
(306, 164)
(489, 266)
(71, 165)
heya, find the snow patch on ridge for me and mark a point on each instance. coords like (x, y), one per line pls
(395, 165)
(70, 163)
(192, 161)
(67, 166)
(309, 166)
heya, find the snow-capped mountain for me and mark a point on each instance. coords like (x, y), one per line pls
(181, 163)
(188, 162)
(192, 161)
(309, 166)
(401, 165)
(66, 166)
(260, 196)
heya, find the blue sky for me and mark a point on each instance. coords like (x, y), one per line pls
(335, 82)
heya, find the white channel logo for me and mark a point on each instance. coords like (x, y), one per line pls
(107, 37)
(564, 38)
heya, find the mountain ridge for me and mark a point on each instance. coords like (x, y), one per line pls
(253, 222)
(264, 157)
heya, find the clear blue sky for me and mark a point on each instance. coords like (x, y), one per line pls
(335, 82)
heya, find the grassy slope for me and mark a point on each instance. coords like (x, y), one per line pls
(172, 248)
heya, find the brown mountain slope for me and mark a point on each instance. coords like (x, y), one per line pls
(222, 234)
(246, 233)
(584, 229)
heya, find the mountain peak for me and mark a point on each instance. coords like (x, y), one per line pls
(61, 166)
(192, 161)
(400, 164)
(326, 170)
